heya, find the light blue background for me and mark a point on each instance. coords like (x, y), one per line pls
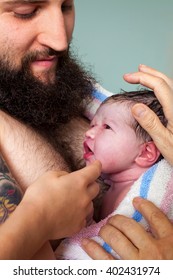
(114, 36)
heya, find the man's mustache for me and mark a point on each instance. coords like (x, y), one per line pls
(40, 55)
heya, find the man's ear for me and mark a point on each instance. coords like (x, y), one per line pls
(148, 154)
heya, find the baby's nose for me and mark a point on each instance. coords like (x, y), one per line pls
(91, 132)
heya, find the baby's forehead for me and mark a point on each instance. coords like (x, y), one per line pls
(115, 110)
(112, 107)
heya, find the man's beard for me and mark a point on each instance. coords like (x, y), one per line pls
(45, 105)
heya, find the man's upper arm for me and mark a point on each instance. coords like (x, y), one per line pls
(10, 194)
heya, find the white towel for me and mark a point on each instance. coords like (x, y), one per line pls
(156, 185)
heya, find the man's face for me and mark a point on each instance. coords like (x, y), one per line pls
(39, 82)
(38, 32)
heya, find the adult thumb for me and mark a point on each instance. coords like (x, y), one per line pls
(151, 123)
(162, 137)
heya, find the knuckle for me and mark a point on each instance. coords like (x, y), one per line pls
(126, 223)
(81, 182)
(113, 219)
(117, 220)
(160, 83)
(155, 216)
(151, 122)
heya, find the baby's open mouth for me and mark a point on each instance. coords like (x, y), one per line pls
(87, 151)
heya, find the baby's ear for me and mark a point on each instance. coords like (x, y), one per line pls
(148, 154)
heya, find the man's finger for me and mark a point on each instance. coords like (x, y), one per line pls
(161, 89)
(159, 223)
(90, 172)
(93, 190)
(149, 70)
(118, 241)
(95, 251)
(131, 236)
(151, 123)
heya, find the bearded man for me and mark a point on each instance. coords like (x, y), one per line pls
(42, 88)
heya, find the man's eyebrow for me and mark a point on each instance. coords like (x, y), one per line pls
(22, 1)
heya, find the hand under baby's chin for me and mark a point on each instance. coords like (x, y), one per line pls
(90, 160)
(105, 178)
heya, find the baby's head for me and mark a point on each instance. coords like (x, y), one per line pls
(131, 98)
(116, 139)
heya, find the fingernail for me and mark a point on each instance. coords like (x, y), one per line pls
(139, 110)
(137, 200)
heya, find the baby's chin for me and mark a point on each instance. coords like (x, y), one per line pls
(89, 160)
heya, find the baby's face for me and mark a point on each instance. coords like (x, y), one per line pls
(111, 138)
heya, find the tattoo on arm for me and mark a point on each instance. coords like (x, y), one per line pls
(10, 194)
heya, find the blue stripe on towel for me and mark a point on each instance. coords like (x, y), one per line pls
(99, 95)
(106, 247)
(144, 188)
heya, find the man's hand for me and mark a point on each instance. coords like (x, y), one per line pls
(54, 206)
(163, 89)
(131, 241)
(64, 200)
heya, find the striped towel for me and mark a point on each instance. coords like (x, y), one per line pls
(156, 185)
(99, 95)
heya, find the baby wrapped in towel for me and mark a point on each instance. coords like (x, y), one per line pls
(130, 164)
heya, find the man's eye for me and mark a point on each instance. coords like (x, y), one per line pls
(107, 126)
(66, 8)
(25, 14)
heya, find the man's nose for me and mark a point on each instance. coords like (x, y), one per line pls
(53, 32)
